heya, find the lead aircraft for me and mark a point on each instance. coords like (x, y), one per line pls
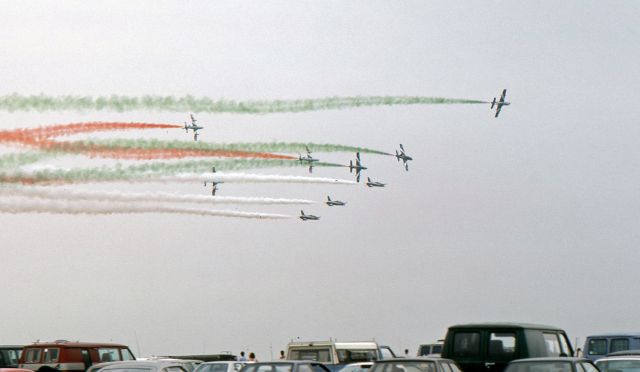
(306, 217)
(500, 103)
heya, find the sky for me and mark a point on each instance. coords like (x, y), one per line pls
(530, 217)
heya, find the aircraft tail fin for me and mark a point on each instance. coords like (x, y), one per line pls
(328, 198)
(301, 212)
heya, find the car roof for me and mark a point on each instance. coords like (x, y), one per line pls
(416, 359)
(66, 343)
(507, 325)
(285, 361)
(614, 334)
(141, 363)
(633, 352)
(552, 359)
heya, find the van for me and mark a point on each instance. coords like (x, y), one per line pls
(598, 346)
(337, 354)
(489, 347)
(66, 356)
(430, 349)
(10, 356)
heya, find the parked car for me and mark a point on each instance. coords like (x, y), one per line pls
(622, 361)
(557, 364)
(228, 366)
(597, 346)
(489, 347)
(430, 349)
(144, 366)
(67, 356)
(286, 366)
(189, 364)
(425, 364)
(357, 367)
(10, 356)
(335, 355)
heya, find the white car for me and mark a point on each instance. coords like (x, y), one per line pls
(223, 366)
(144, 366)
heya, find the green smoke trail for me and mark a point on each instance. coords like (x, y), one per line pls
(281, 147)
(150, 170)
(188, 103)
(20, 159)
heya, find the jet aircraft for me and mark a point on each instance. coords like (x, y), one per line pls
(309, 159)
(500, 103)
(306, 217)
(214, 184)
(332, 203)
(405, 158)
(374, 183)
(195, 128)
(357, 167)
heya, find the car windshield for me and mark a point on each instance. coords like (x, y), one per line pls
(317, 355)
(618, 365)
(356, 368)
(356, 355)
(217, 367)
(539, 367)
(399, 366)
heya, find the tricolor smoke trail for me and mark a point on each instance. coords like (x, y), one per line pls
(19, 102)
(159, 197)
(257, 147)
(50, 206)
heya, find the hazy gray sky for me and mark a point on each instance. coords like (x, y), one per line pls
(530, 217)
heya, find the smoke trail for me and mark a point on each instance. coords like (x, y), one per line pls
(50, 206)
(19, 102)
(260, 147)
(252, 178)
(141, 172)
(161, 197)
(124, 152)
(20, 159)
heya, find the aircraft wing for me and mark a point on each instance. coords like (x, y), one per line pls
(503, 96)
(498, 110)
(193, 120)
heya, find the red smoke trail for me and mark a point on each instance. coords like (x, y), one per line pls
(157, 153)
(36, 136)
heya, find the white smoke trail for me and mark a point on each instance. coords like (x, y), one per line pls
(251, 178)
(51, 206)
(162, 197)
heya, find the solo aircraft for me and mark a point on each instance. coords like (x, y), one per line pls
(405, 158)
(374, 183)
(195, 128)
(333, 203)
(500, 102)
(306, 217)
(357, 167)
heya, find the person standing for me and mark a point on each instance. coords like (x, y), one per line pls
(252, 357)
(282, 354)
(242, 357)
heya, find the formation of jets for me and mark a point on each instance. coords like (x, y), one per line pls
(195, 128)
(501, 102)
(354, 166)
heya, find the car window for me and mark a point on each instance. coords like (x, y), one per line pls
(564, 344)
(597, 346)
(445, 367)
(346, 356)
(552, 344)
(579, 368)
(624, 365)
(400, 366)
(502, 345)
(436, 349)
(109, 354)
(386, 353)
(304, 368)
(317, 355)
(173, 369)
(283, 367)
(50, 355)
(218, 367)
(32, 355)
(619, 344)
(466, 344)
(126, 354)
(319, 368)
